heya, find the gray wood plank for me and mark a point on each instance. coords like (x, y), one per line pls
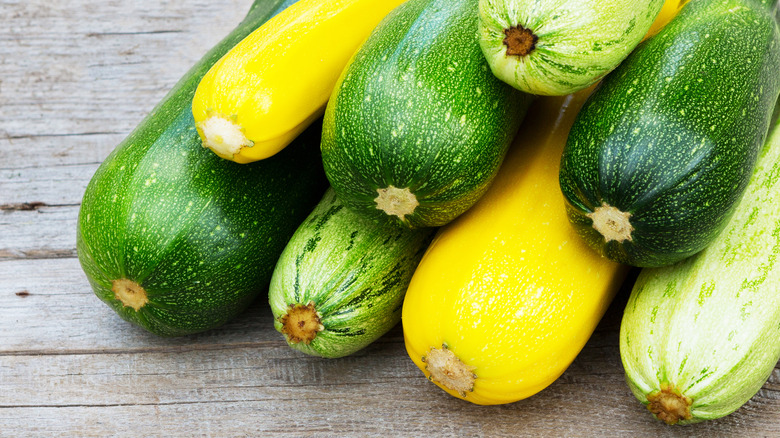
(77, 76)
(53, 229)
(69, 352)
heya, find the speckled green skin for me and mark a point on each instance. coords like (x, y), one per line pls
(354, 270)
(418, 108)
(710, 325)
(671, 136)
(199, 233)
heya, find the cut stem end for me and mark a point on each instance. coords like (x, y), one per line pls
(301, 323)
(519, 41)
(669, 405)
(447, 370)
(396, 202)
(130, 293)
(223, 136)
(612, 223)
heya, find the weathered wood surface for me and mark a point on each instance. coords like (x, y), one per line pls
(75, 78)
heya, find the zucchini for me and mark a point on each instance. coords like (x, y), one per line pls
(417, 125)
(662, 151)
(341, 280)
(268, 88)
(697, 344)
(177, 240)
(554, 47)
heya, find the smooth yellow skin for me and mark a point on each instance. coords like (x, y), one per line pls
(509, 287)
(276, 81)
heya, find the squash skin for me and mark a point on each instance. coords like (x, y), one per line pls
(671, 136)
(353, 271)
(200, 234)
(710, 336)
(277, 80)
(577, 41)
(509, 287)
(417, 108)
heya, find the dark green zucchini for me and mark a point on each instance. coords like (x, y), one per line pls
(417, 125)
(178, 240)
(341, 280)
(662, 151)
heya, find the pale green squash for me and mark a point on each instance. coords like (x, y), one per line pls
(698, 339)
(557, 47)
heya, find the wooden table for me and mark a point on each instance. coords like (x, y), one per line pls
(75, 78)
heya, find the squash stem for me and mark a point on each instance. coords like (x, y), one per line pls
(669, 405)
(396, 202)
(519, 41)
(223, 136)
(612, 223)
(301, 323)
(130, 293)
(447, 370)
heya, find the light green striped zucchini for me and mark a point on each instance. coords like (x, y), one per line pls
(557, 47)
(340, 282)
(698, 339)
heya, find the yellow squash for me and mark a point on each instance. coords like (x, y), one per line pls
(508, 294)
(274, 83)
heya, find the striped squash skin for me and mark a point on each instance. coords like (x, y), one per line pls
(578, 41)
(417, 108)
(353, 270)
(671, 136)
(709, 326)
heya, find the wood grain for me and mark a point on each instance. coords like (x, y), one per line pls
(75, 78)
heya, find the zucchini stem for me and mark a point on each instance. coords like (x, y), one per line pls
(130, 293)
(669, 405)
(447, 370)
(223, 136)
(519, 41)
(301, 323)
(396, 202)
(612, 223)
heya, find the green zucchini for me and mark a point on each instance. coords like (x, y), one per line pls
(340, 282)
(554, 47)
(417, 125)
(700, 338)
(663, 149)
(178, 240)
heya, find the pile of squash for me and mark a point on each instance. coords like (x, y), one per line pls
(486, 172)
